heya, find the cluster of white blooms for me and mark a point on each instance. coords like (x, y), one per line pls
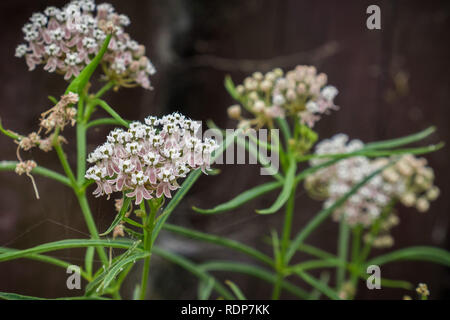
(65, 40)
(300, 92)
(146, 160)
(409, 181)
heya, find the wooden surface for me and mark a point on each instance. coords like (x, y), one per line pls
(193, 45)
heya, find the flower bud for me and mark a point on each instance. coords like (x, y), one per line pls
(422, 205)
(433, 193)
(234, 112)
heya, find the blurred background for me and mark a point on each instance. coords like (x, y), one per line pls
(392, 82)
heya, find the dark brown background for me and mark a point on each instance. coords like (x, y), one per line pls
(194, 44)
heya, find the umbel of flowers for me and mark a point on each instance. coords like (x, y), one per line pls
(146, 160)
(409, 181)
(65, 40)
(301, 93)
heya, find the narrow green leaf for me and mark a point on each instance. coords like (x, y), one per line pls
(111, 112)
(64, 244)
(315, 294)
(430, 254)
(229, 85)
(242, 198)
(119, 267)
(235, 245)
(284, 126)
(119, 217)
(260, 157)
(321, 286)
(205, 289)
(104, 277)
(53, 99)
(15, 296)
(285, 192)
(255, 272)
(375, 153)
(236, 290)
(194, 269)
(102, 122)
(392, 143)
(89, 260)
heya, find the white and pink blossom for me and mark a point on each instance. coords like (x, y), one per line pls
(146, 160)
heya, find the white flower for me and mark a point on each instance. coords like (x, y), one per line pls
(149, 157)
(72, 59)
(21, 50)
(312, 107)
(329, 93)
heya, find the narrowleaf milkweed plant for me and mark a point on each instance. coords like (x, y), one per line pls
(145, 162)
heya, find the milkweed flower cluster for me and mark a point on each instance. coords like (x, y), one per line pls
(301, 93)
(66, 40)
(409, 180)
(147, 160)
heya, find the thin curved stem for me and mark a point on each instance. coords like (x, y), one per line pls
(102, 122)
(65, 164)
(110, 111)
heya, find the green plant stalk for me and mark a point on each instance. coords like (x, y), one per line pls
(102, 122)
(81, 149)
(149, 224)
(228, 243)
(91, 226)
(104, 89)
(356, 247)
(287, 227)
(344, 235)
(359, 255)
(65, 164)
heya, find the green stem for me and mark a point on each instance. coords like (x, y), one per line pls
(81, 152)
(356, 247)
(235, 245)
(149, 223)
(375, 230)
(102, 122)
(91, 226)
(111, 111)
(287, 227)
(344, 235)
(104, 89)
(65, 163)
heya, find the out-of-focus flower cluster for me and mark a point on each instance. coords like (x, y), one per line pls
(301, 93)
(409, 180)
(146, 160)
(66, 40)
(422, 290)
